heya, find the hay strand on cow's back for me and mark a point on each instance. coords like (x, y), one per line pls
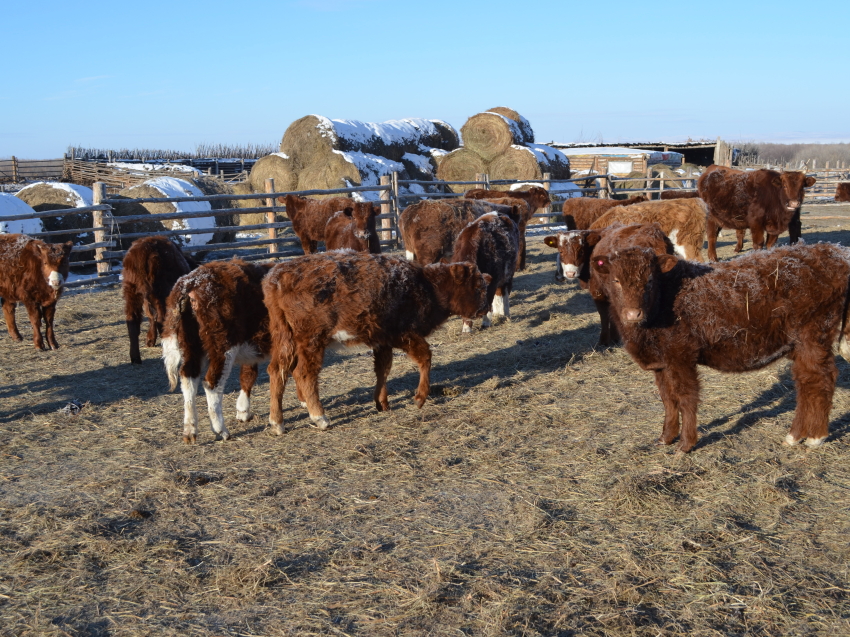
(461, 165)
(524, 124)
(490, 134)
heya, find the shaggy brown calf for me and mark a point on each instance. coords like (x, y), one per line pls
(349, 298)
(492, 243)
(151, 267)
(576, 247)
(581, 212)
(765, 201)
(310, 218)
(683, 220)
(429, 228)
(32, 272)
(679, 194)
(842, 191)
(342, 232)
(216, 313)
(534, 198)
(791, 301)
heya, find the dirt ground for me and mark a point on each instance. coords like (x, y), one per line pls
(525, 498)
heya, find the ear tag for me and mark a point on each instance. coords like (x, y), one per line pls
(600, 262)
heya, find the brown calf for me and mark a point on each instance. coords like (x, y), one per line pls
(581, 212)
(429, 228)
(736, 316)
(342, 232)
(151, 267)
(679, 194)
(492, 243)
(842, 191)
(310, 217)
(682, 220)
(575, 249)
(216, 313)
(32, 272)
(348, 298)
(765, 201)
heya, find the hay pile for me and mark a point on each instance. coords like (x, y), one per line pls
(44, 196)
(213, 186)
(317, 153)
(500, 142)
(11, 205)
(166, 187)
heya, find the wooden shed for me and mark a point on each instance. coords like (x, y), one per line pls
(616, 160)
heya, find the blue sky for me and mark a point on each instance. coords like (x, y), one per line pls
(175, 74)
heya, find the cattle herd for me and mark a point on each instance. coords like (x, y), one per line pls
(640, 260)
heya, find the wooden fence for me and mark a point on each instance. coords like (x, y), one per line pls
(16, 170)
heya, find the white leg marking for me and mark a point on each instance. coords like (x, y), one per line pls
(814, 442)
(172, 358)
(243, 407)
(790, 440)
(408, 255)
(321, 422)
(487, 321)
(189, 387)
(216, 394)
(499, 306)
(467, 327)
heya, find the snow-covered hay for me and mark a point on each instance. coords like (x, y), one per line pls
(44, 196)
(349, 169)
(422, 167)
(213, 186)
(490, 134)
(461, 165)
(163, 187)
(524, 124)
(11, 205)
(313, 138)
(278, 166)
(529, 163)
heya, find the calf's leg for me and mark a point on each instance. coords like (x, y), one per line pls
(757, 234)
(608, 334)
(49, 313)
(133, 312)
(34, 313)
(711, 230)
(247, 377)
(679, 389)
(189, 387)
(814, 373)
(9, 314)
(218, 373)
(795, 228)
(383, 364)
(739, 240)
(418, 350)
(306, 374)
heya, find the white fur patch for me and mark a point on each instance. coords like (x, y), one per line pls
(814, 442)
(55, 280)
(844, 348)
(500, 306)
(790, 440)
(467, 328)
(408, 255)
(320, 422)
(570, 270)
(565, 238)
(243, 406)
(342, 336)
(677, 248)
(172, 357)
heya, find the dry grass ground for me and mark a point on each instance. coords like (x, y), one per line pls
(525, 498)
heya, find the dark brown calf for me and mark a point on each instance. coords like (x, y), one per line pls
(491, 242)
(576, 248)
(151, 267)
(765, 201)
(842, 191)
(679, 194)
(310, 217)
(736, 316)
(342, 231)
(347, 298)
(581, 212)
(32, 272)
(216, 313)
(429, 228)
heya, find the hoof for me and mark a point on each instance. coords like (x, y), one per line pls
(466, 329)
(304, 404)
(320, 422)
(276, 428)
(419, 401)
(382, 406)
(223, 436)
(244, 416)
(790, 441)
(813, 443)
(189, 440)
(663, 443)
(134, 361)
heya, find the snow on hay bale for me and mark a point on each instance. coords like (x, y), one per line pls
(461, 165)
(313, 138)
(162, 187)
(213, 186)
(44, 196)
(349, 169)
(278, 166)
(11, 205)
(529, 163)
(524, 124)
(490, 134)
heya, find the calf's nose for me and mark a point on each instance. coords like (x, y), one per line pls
(632, 315)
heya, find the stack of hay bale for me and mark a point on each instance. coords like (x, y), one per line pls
(500, 142)
(10, 205)
(44, 196)
(317, 153)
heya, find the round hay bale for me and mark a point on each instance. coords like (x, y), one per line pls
(672, 179)
(461, 165)
(524, 124)
(528, 163)
(277, 166)
(347, 170)
(162, 187)
(213, 186)
(44, 196)
(312, 138)
(635, 179)
(490, 135)
(11, 205)
(248, 218)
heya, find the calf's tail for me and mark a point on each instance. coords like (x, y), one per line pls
(178, 326)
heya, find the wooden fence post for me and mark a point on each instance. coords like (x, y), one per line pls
(270, 216)
(100, 236)
(661, 185)
(14, 169)
(547, 186)
(386, 208)
(479, 177)
(648, 182)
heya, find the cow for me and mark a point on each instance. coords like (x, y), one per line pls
(534, 198)
(151, 267)
(735, 316)
(310, 218)
(679, 194)
(842, 191)
(429, 228)
(581, 212)
(341, 232)
(576, 247)
(492, 243)
(349, 298)
(682, 220)
(216, 313)
(765, 201)
(33, 272)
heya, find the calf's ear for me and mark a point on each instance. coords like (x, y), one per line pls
(601, 264)
(666, 262)
(593, 237)
(810, 181)
(487, 278)
(551, 241)
(348, 211)
(66, 247)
